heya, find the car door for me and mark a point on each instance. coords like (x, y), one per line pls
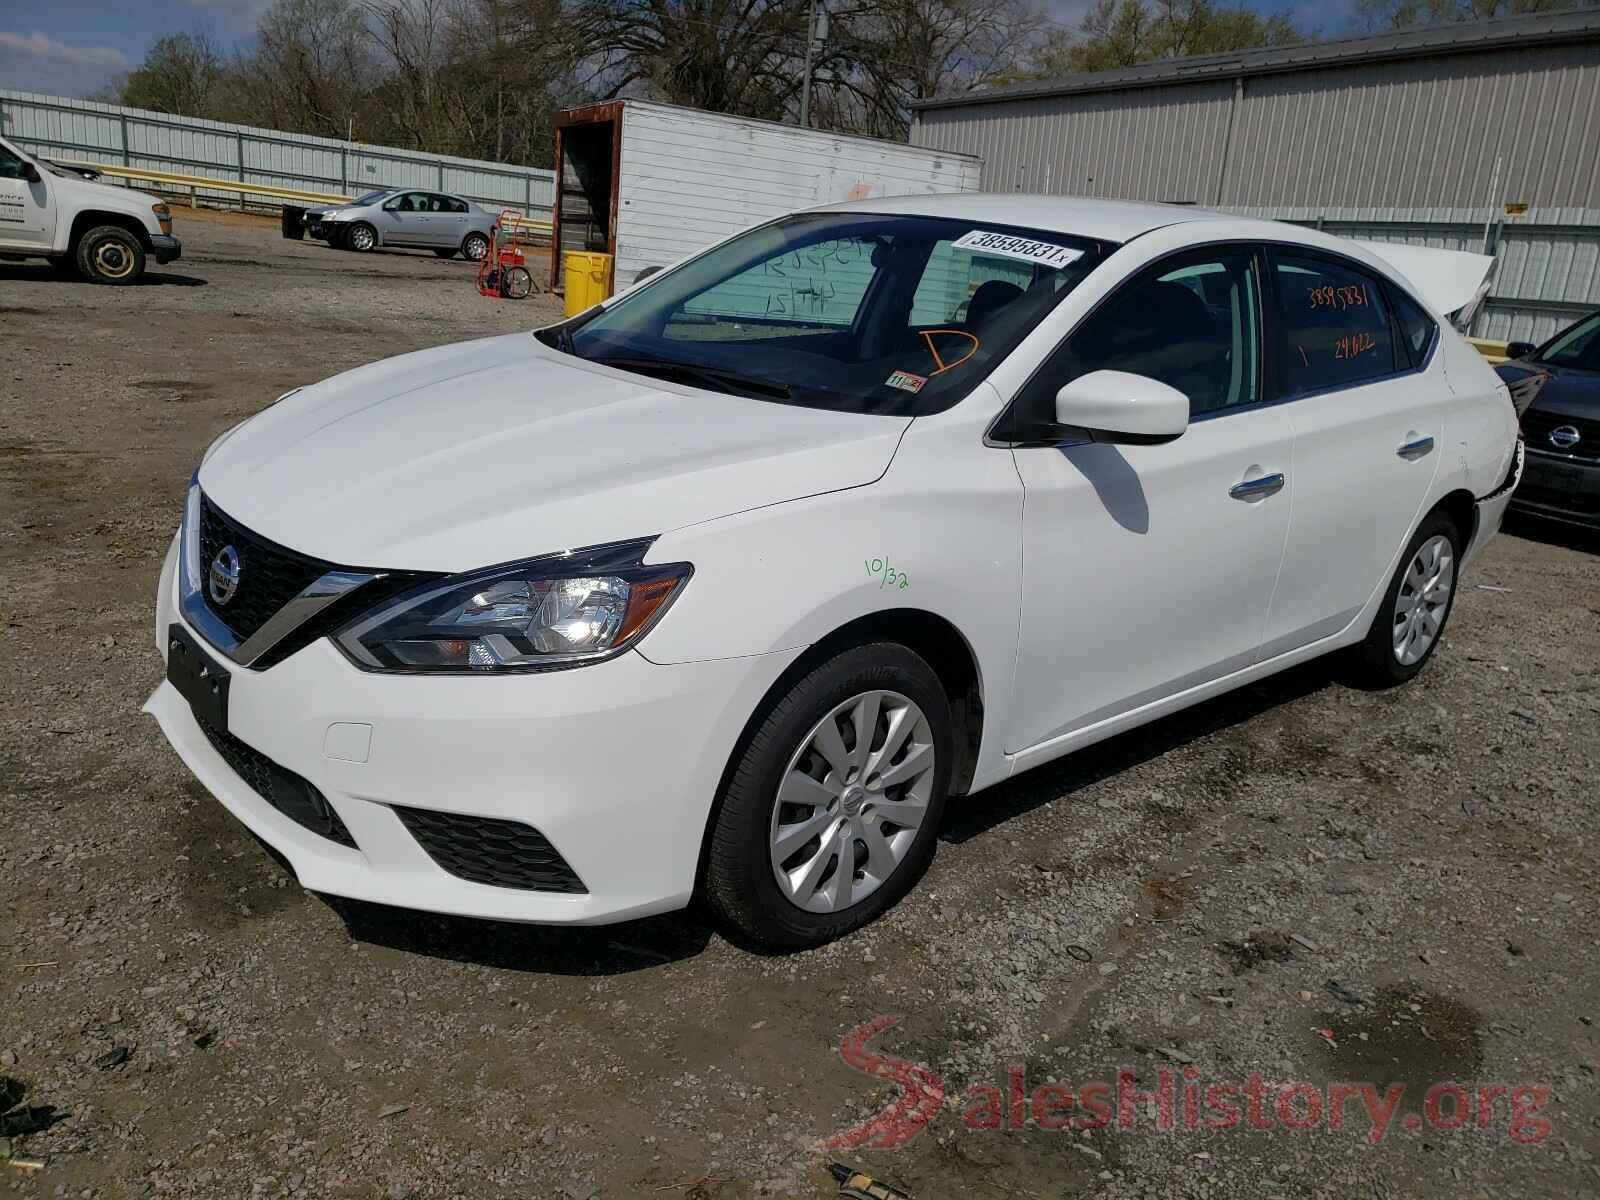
(447, 217)
(27, 210)
(405, 219)
(1149, 569)
(1368, 426)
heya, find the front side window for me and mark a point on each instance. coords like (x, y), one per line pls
(1334, 324)
(10, 164)
(1576, 347)
(870, 313)
(1191, 322)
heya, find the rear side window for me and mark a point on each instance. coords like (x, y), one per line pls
(1417, 328)
(1333, 323)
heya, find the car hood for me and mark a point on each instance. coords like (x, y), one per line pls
(490, 451)
(1569, 392)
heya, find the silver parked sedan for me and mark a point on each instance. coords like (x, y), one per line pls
(448, 225)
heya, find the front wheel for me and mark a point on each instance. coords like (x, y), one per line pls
(1410, 621)
(832, 812)
(361, 236)
(110, 254)
(475, 246)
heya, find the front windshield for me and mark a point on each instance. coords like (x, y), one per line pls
(371, 197)
(869, 313)
(1577, 347)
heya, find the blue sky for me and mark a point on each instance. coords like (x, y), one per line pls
(72, 47)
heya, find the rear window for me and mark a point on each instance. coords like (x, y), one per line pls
(1417, 328)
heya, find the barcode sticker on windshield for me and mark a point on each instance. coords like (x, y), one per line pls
(1010, 246)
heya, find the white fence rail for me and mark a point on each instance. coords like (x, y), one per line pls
(54, 127)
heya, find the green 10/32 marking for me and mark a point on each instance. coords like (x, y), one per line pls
(887, 576)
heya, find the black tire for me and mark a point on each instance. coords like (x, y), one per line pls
(443, 253)
(1375, 660)
(740, 885)
(360, 232)
(516, 284)
(474, 246)
(110, 254)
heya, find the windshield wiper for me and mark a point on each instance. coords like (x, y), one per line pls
(714, 378)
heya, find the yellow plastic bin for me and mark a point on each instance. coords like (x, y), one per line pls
(588, 279)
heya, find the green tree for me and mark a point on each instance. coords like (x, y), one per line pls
(181, 74)
(1381, 15)
(1125, 33)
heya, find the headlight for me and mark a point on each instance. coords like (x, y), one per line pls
(559, 611)
(337, 214)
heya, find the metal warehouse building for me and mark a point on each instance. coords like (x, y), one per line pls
(1435, 137)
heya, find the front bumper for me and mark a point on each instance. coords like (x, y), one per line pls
(1560, 486)
(615, 764)
(165, 248)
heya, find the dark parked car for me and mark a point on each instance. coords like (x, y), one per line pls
(1562, 426)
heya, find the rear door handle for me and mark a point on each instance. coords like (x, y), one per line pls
(1257, 489)
(1414, 450)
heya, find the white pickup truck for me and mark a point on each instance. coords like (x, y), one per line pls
(104, 233)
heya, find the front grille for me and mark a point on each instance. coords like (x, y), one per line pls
(1537, 424)
(270, 575)
(294, 797)
(487, 850)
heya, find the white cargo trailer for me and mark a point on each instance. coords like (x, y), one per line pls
(650, 183)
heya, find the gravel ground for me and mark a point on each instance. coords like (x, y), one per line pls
(1301, 882)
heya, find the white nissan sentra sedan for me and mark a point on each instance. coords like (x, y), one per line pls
(724, 587)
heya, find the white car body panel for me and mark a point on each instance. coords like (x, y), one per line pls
(491, 451)
(1096, 586)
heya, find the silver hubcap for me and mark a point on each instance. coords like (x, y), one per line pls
(851, 801)
(361, 239)
(476, 248)
(1424, 596)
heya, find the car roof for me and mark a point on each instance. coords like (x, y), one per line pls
(1107, 220)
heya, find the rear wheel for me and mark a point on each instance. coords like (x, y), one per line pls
(1411, 620)
(832, 812)
(361, 236)
(518, 283)
(474, 246)
(110, 254)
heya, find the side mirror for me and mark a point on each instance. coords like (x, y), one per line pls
(1118, 406)
(1519, 349)
(30, 172)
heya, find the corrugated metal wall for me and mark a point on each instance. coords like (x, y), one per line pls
(691, 178)
(54, 127)
(1392, 151)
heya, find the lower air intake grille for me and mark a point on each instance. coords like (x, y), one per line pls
(280, 787)
(486, 850)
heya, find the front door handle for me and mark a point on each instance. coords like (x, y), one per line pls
(1257, 489)
(1416, 448)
